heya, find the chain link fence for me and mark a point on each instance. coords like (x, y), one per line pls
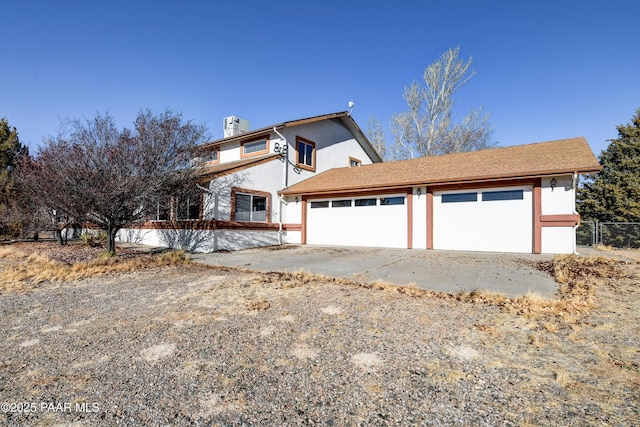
(586, 234)
(615, 234)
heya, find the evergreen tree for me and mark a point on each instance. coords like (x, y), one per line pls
(10, 150)
(613, 194)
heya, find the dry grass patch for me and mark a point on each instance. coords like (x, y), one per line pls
(550, 327)
(9, 253)
(578, 277)
(258, 305)
(562, 378)
(26, 270)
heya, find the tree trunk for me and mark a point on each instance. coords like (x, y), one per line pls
(59, 238)
(111, 239)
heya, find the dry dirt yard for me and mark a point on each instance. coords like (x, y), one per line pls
(169, 343)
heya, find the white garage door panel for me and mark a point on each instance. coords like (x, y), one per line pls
(494, 226)
(375, 226)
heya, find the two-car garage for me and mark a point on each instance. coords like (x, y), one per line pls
(491, 219)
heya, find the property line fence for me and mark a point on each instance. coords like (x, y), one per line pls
(614, 234)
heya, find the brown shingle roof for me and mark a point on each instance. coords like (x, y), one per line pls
(344, 117)
(521, 161)
(219, 169)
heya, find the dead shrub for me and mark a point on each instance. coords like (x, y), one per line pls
(577, 277)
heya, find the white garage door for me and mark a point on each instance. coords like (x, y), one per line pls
(377, 221)
(493, 220)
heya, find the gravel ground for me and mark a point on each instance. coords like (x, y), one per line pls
(203, 346)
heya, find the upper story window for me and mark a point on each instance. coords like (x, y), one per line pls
(306, 158)
(212, 156)
(254, 147)
(354, 162)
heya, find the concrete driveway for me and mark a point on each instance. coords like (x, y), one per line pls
(448, 271)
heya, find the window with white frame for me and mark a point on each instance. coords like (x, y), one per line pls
(250, 207)
(161, 211)
(188, 207)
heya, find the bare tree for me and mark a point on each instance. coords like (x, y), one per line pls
(109, 177)
(375, 133)
(426, 128)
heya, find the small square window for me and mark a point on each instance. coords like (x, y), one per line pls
(354, 162)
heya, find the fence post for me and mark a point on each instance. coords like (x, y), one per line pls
(600, 233)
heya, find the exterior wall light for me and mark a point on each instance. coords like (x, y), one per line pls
(553, 183)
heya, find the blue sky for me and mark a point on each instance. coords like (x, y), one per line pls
(545, 69)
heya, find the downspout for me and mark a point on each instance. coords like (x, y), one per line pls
(285, 180)
(574, 186)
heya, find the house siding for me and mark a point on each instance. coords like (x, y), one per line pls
(334, 146)
(558, 216)
(419, 228)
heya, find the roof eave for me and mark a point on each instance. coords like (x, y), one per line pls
(360, 135)
(261, 131)
(459, 181)
(204, 174)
